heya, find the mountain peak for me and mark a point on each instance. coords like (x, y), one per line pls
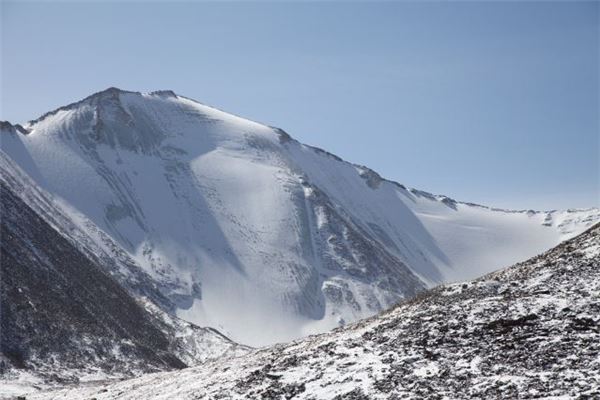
(163, 93)
(109, 94)
(115, 91)
(112, 90)
(7, 126)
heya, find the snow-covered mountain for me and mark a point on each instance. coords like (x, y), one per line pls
(528, 331)
(75, 307)
(242, 227)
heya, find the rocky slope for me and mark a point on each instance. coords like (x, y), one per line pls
(66, 313)
(528, 331)
(237, 225)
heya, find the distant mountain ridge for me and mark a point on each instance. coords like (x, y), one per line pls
(232, 218)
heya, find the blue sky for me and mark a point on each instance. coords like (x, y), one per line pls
(496, 103)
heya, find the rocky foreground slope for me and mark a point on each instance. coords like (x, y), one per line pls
(528, 331)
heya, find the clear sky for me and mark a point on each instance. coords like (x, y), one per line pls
(495, 103)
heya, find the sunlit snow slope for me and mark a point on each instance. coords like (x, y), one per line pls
(245, 228)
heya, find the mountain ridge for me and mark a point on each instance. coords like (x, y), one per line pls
(113, 91)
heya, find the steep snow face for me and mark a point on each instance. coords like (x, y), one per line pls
(243, 227)
(66, 315)
(528, 331)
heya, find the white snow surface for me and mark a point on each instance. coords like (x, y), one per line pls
(254, 233)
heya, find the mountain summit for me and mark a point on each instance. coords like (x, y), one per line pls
(242, 227)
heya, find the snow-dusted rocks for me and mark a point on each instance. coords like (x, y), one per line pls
(239, 226)
(528, 331)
